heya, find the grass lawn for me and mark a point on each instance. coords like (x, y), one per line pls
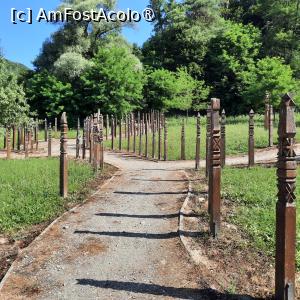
(29, 191)
(252, 193)
(236, 137)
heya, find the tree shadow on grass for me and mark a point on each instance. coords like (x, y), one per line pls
(159, 290)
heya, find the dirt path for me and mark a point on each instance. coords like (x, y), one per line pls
(123, 244)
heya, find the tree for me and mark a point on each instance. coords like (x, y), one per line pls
(114, 82)
(272, 75)
(166, 90)
(13, 106)
(231, 53)
(49, 97)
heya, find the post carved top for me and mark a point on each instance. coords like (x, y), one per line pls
(215, 104)
(287, 126)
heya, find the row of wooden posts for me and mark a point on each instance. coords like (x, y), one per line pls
(285, 257)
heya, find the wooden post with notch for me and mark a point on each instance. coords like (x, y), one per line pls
(49, 140)
(182, 156)
(285, 262)
(215, 170)
(208, 117)
(63, 174)
(223, 139)
(251, 160)
(198, 141)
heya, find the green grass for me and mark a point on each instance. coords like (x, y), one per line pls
(253, 195)
(29, 191)
(236, 137)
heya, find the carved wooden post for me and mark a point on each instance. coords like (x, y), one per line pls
(125, 124)
(55, 125)
(134, 136)
(183, 140)
(223, 139)
(46, 128)
(83, 140)
(19, 139)
(30, 139)
(8, 143)
(120, 133)
(26, 141)
(14, 137)
(251, 139)
(215, 170)
(146, 139)
(267, 112)
(198, 140)
(37, 135)
(101, 142)
(63, 157)
(91, 127)
(286, 205)
(112, 132)
(153, 135)
(159, 135)
(128, 133)
(49, 140)
(107, 126)
(271, 143)
(140, 133)
(78, 139)
(208, 120)
(165, 139)
(95, 143)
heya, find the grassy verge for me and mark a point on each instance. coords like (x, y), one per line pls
(29, 191)
(252, 193)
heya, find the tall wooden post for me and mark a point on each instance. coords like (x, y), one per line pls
(146, 139)
(286, 206)
(134, 133)
(95, 143)
(223, 139)
(267, 112)
(101, 142)
(30, 139)
(8, 142)
(215, 170)
(112, 133)
(55, 125)
(14, 137)
(140, 133)
(46, 128)
(165, 139)
(183, 140)
(198, 140)
(107, 126)
(78, 139)
(159, 135)
(37, 135)
(128, 133)
(208, 125)
(19, 139)
(91, 135)
(251, 161)
(271, 142)
(153, 135)
(63, 178)
(120, 134)
(83, 140)
(26, 141)
(49, 140)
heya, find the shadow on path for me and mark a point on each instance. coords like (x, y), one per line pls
(149, 194)
(159, 290)
(170, 216)
(158, 236)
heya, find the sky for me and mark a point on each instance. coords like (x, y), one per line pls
(22, 42)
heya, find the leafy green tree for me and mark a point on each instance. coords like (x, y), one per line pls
(13, 106)
(49, 97)
(114, 82)
(166, 90)
(231, 53)
(272, 75)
